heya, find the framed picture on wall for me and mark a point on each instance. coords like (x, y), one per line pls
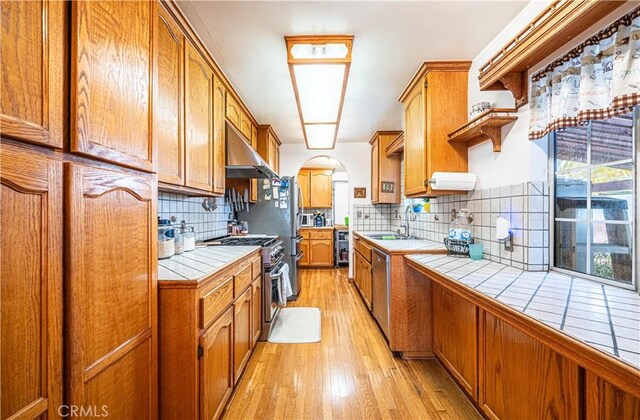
(360, 192)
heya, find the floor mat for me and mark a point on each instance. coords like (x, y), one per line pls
(296, 325)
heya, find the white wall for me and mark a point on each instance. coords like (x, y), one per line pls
(520, 160)
(356, 159)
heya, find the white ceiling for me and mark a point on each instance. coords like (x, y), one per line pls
(392, 39)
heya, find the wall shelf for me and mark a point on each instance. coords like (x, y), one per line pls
(562, 21)
(487, 125)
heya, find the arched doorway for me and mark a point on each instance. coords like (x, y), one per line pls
(324, 183)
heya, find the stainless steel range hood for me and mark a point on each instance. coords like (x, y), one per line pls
(242, 160)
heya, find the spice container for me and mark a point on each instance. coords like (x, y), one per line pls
(179, 238)
(188, 236)
(166, 239)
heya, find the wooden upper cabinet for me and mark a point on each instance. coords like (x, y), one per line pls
(233, 111)
(385, 171)
(169, 116)
(199, 122)
(112, 78)
(216, 366)
(254, 137)
(31, 283)
(33, 54)
(268, 144)
(246, 126)
(219, 139)
(304, 182)
(110, 291)
(321, 189)
(435, 103)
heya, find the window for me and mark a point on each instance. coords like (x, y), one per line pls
(595, 199)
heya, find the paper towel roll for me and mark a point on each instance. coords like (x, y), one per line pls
(461, 181)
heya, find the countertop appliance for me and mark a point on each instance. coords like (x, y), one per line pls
(380, 289)
(307, 220)
(278, 212)
(273, 253)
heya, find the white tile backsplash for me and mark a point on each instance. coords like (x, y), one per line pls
(206, 224)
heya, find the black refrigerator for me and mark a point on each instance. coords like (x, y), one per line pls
(278, 211)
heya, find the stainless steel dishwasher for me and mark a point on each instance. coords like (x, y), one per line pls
(380, 289)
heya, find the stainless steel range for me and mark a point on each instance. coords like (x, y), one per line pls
(273, 252)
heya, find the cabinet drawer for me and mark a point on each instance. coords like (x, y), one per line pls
(256, 267)
(363, 249)
(242, 279)
(214, 302)
(306, 234)
(321, 234)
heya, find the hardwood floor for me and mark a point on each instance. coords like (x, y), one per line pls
(350, 374)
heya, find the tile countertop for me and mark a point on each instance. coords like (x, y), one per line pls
(604, 317)
(201, 263)
(402, 246)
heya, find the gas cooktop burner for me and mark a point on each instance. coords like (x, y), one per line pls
(247, 241)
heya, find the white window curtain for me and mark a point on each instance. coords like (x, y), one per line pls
(597, 80)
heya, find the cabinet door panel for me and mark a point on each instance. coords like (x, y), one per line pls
(321, 190)
(242, 333)
(216, 366)
(306, 253)
(246, 127)
(522, 378)
(304, 182)
(31, 285)
(455, 336)
(169, 115)
(112, 80)
(198, 114)
(321, 252)
(233, 111)
(256, 310)
(219, 140)
(606, 402)
(32, 73)
(111, 295)
(414, 143)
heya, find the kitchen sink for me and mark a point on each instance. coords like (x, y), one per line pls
(390, 237)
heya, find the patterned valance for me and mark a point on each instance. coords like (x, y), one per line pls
(596, 80)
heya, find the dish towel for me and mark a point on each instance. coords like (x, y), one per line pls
(284, 285)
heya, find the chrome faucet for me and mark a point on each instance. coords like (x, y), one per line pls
(407, 228)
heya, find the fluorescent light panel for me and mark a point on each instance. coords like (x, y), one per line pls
(319, 66)
(320, 136)
(319, 91)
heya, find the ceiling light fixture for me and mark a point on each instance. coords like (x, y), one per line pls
(319, 69)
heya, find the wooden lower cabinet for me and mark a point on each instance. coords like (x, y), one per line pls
(455, 337)
(256, 310)
(606, 402)
(522, 378)
(317, 245)
(216, 366)
(110, 291)
(363, 278)
(31, 285)
(242, 333)
(306, 253)
(207, 333)
(321, 252)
